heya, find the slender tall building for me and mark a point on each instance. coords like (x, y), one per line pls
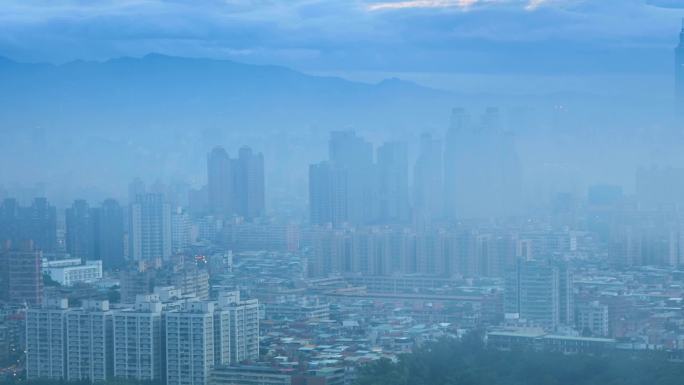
(328, 194)
(393, 184)
(80, 236)
(180, 229)
(135, 188)
(428, 184)
(248, 184)
(20, 275)
(220, 182)
(10, 221)
(457, 170)
(679, 74)
(40, 225)
(355, 155)
(150, 228)
(109, 234)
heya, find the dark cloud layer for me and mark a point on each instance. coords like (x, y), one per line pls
(414, 35)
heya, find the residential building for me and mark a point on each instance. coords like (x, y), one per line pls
(89, 342)
(21, 276)
(150, 228)
(46, 341)
(592, 319)
(137, 340)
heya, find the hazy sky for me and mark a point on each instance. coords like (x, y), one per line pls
(619, 47)
(502, 36)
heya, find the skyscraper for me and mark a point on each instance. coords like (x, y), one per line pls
(355, 155)
(109, 234)
(393, 184)
(457, 168)
(219, 181)
(21, 275)
(180, 229)
(135, 188)
(428, 185)
(328, 194)
(36, 223)
(42, 219)
(80, 235)
(482, 176)
(679, 74)
(150, 228)
(10, 221)
(248, 184)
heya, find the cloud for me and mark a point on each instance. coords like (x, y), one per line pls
(421, 4)
(529, 5)
(534, 4)
(406, 35)
(677, 4)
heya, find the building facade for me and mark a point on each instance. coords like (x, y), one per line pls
(46, 341)
(89, 342)
(150, 228)
(137, 341)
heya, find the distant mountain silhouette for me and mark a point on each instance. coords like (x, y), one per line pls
(95, 125)
(172, 91)
(87, 128)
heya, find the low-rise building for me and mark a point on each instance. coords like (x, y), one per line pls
(536, 339)
(250, 375)
(593, 318)
(68, 272)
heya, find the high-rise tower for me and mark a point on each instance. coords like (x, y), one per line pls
(393, 184)
(109, 234)
(150, 228)
(80, 241)
(679, 74)
(220, 181)
(328, 194)
(352, 153)
(248, 183)
(428, 182)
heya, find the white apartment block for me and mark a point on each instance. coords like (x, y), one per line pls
(137, 336)
(593, 316)
(244, 330)
(93, 343)
(88, 342)
(45, 341)
(181, 228)
(190, 344)
(71, 271)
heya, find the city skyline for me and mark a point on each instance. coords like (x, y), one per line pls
(332, 192)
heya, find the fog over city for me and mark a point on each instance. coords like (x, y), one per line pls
(341, 192)
(144, 89)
